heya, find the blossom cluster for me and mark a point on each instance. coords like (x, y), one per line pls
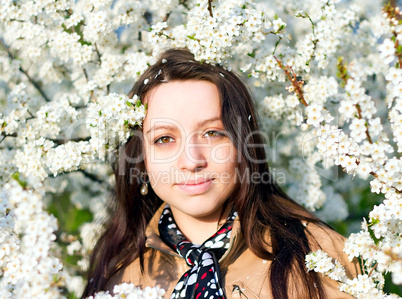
(111, 120)
(363, 286)
(27, 266)
(129, 291)
(214, 33)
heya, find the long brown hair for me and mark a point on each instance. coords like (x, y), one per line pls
(262, 207)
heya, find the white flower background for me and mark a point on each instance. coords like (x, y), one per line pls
(327, 79)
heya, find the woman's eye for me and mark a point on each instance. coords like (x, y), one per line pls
(163, 140)
(214, 134)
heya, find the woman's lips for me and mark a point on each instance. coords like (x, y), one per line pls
(193, 187)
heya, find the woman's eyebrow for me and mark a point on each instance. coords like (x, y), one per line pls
(166, 127)
(206, 121)
(174, 128)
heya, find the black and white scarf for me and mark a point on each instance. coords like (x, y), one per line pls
(202, 280)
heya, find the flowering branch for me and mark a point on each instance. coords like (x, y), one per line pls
(394, 16)
(397, 53)
(210, 8)
(342, 71)
(91, 176)
(359, 112)
(372, 269)
(56, 141)
(65, 140)
(344, 76)
(184, 3)
(297, 85)
(8, 135)
(315, 40)
(34, 83)
(297, 88)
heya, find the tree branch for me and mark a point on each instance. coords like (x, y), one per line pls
(167, 16)
(5, 136)
(184, 3)
(298, 85)
(359, 112)
(397, 54)
(376, 176)
(148, 17)
(393, 13)
(8, 135)
(98, 53)
(65, 140)
(210, 8)
(85, 73)
(344, 76)
(33, 82)
(56, 141)
(298, 90)
(91, 176)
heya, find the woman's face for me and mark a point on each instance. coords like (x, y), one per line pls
(190, 161)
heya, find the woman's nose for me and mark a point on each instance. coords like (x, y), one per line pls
(193, 158)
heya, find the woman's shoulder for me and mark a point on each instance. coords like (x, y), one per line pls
(322, 237)
(160, 268)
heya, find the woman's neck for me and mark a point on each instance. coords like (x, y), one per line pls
(198, 230)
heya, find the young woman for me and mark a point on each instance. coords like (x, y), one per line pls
(201, 216)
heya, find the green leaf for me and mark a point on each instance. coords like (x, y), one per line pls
(100, 113)
(16, 176)
(252, 54)
(374, 221)
(129, 104)
(372, 236)
(191, 37)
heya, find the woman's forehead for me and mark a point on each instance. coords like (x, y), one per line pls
(184, 101)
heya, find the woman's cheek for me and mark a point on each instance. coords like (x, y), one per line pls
(164, 153)
(223, 153)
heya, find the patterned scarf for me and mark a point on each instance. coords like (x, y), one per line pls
(203, 278)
